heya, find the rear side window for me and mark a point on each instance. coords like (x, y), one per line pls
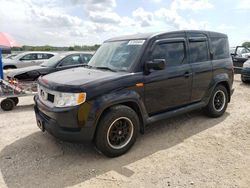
(44, 56)
(173, 53)
(220, 48)
(71, 60)
(86, 57)
(29, 57)
(47, 56)
(198, 51)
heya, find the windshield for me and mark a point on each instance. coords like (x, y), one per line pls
(118, 55)
(52, 62)
(11, 56)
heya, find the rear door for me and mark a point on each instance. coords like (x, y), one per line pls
(199, 58)
(42, 57)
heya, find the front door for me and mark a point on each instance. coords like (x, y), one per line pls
(169, 88)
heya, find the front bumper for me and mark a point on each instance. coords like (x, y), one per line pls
(63, 123)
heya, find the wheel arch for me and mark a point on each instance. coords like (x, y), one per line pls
(226, 85)
(129, 103)
(9, 66)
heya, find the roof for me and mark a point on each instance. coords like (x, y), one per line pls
(151, 35)
(37, 52)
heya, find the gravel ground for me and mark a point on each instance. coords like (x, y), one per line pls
(190, 150)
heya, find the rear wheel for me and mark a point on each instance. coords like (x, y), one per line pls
(7, 104)
(243, 79)
(117, 131)
(218, 102)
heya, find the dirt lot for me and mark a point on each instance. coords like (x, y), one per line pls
(186, 151)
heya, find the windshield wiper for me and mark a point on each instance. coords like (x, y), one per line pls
(106, 68)
(87, 66)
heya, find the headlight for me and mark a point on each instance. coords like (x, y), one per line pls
(69, 99)
(246, 65)
(60, 99)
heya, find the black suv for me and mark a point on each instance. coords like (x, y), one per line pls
(132, 81)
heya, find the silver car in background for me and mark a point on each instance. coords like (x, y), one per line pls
(27, 59)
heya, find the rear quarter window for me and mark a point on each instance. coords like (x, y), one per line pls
(220, 48)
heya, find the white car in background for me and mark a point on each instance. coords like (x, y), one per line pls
(240, 51)
(27, 59)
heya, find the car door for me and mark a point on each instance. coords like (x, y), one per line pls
(200, 61)
(41, 58)
(27, 60)
(169, 88)
(238, 58)
(70, 61)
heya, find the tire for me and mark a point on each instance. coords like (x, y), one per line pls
(243, 79)
(218, 102)
(15, 99)
(7, 104)
(117, 131)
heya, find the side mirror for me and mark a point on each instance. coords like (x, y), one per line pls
(156, 64)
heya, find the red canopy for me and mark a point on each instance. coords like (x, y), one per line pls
(8, 41)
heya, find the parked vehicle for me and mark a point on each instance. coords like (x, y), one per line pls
(132, 81)
(26, 59)
(59, 62)
(245, 72)
(240, 54)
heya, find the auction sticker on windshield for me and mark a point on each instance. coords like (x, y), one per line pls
(136, 42)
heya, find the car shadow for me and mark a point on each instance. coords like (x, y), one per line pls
(40, 160)
(19, 108)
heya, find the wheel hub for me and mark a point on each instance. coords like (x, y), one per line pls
(120, 133)
(219, 100)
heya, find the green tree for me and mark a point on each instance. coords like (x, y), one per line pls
(246, 44)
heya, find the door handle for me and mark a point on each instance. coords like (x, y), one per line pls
(187, 74)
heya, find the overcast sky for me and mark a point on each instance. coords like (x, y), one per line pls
(79, 22)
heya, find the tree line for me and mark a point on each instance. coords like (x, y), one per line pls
(246, 44)
(53, 48)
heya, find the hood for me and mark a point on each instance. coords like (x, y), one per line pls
(77, 78)
(6, 61)
(20, 71)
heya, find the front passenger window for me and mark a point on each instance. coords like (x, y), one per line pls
(173, 53)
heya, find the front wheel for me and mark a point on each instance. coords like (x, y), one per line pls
(117, 131)
(218, 102)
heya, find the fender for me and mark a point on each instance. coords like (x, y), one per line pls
(217, 79)
(102, 103)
